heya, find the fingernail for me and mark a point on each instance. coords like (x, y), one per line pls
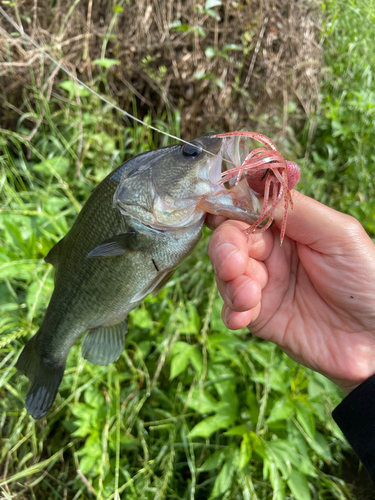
(227, 315)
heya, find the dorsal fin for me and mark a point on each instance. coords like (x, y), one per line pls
(53, 255)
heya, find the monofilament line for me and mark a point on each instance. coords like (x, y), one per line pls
(25, 36)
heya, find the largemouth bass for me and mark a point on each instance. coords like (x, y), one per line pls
(137, 226)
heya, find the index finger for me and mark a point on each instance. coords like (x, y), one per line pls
(230, 249)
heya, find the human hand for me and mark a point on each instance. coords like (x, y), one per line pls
(314, 296)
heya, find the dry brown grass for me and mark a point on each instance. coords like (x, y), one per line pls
(281, 62)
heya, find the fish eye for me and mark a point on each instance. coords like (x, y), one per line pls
(192, 149)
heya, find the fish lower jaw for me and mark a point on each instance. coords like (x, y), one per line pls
(171, 225)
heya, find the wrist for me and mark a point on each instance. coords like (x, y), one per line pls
(349, 386)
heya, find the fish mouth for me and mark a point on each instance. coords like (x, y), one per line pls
(234, 151)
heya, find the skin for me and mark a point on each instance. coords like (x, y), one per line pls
(314, 296)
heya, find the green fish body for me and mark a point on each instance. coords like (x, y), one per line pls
(137, 226)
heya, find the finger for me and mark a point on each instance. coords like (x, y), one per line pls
(213, 221)
(316, 225)
(230, 248)
(244, 293)
(236, 320)
(240, 294)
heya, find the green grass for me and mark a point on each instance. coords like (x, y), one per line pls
(191, 410)
(340, 170)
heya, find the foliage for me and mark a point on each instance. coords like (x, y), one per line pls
(342, 133)
(190, 410)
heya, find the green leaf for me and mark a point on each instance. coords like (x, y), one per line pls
(83, 412)
(232, 46)
(74, 89)
(298, 485)
(201, 401)
(106, 63)
(282, 454)
(145, 348)
(83, 430)
(175, 24)
(271, 471)
(94, 398)
(179, 347)
(209, 425)
(281, 410)
(142, 318)
(299, 441)
(50, 166)
(306, 418)
(223, 480)
(188, 319)
(210, 52)
(196, 360)
(210, 4)
(246, 450)
(225, 384)
(179, 362)
(320, 445)
(200, 76)
(238, 430)
(179, 27)
(87, 463)
(214, 461)
(213, 14)
(199, 30)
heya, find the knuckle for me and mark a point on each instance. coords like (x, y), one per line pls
(354, 228)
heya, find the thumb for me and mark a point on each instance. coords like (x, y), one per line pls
(314, 224)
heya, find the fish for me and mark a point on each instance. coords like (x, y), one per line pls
(134, 230)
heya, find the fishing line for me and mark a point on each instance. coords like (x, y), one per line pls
(80, 82)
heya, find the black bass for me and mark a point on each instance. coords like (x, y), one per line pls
(137, 226)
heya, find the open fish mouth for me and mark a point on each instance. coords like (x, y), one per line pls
(233, 153)
(232, 199)
(235, 150)
(267, 173)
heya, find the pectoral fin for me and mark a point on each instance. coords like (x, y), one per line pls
(155, 286)
(104, 345)
(115, 246)
(162, 282)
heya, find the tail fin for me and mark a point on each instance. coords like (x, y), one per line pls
(45, 380)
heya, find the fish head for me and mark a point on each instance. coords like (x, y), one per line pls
(174, 187)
